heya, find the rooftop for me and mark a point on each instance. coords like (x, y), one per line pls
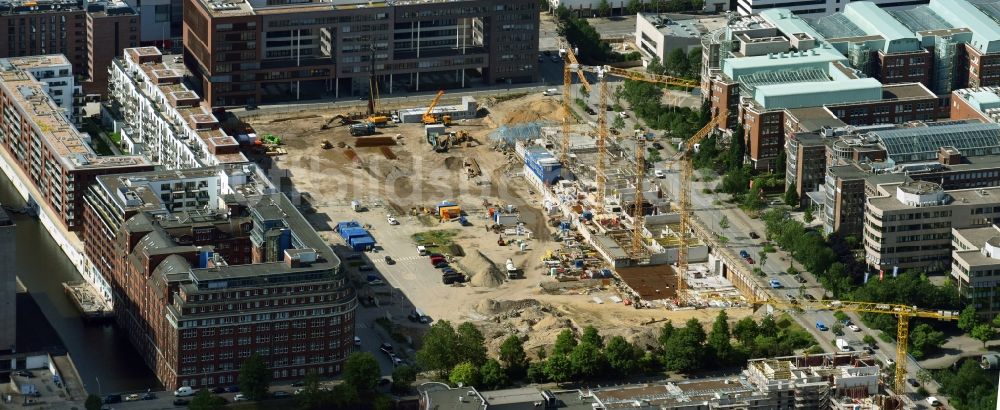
(676, 25)
(876, 21)
(798, 95)
(966, 197)
(40, 61)
(921, 141)
(109, 7)
(978, 238)
(49, 120)
(815, 118)
(961, 13)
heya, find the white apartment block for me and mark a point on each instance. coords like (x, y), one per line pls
(909, 225)
(975, 265)
(55, 73)
(160, 118)
(815, 8)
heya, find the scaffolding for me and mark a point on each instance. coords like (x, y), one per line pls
(508, 135)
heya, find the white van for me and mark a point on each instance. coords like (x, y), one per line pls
(421, 250)
(551, 91)
(184, 391)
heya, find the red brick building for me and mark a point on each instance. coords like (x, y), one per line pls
(199, 289)
(89, 34)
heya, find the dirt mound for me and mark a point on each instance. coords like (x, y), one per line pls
(481, 270)
(493, 306)
(453, 163)
(538, 110)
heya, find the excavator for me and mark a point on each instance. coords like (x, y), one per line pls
(429, 118)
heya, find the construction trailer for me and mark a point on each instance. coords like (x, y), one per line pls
(467, 109)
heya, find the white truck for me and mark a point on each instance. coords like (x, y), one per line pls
(356, 205)
(842, 345)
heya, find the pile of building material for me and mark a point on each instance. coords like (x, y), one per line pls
(481, 270)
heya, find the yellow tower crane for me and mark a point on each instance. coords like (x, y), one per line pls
(903, 315)
(638, 216)
(570, 64)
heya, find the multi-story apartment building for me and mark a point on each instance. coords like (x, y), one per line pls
(8, 283)
(975, 265)
(761, 68)
(88, 33)
(161, 118)
(250, 52)
(160, 22)
(55, 73)
(209, 266)
(37, 137)
(909, 225)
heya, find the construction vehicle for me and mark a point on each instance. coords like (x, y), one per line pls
(429, 117)
(903, 315)
(326, 144)
(363, 128)
(344, 120)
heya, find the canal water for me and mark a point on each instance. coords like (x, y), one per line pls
(105, 359)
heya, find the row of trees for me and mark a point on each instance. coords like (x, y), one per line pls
(678, 64)
(456, 356)
(645, 100)
(636, 6)
(590, 48)
(968, 388)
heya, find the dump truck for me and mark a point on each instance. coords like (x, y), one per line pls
(362, 129)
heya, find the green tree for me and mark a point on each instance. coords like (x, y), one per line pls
(970, 387)
(604, 8)
(311, 397)
(676, 63)
(439, 351)
(565, 342)
(471, 344)
(592, 336)
(587, 360)
(403, 378)
(983, 333)
(719, 339)
(464, 374)
(724, 222)
(362, 371)
(807, 215)
(93, 402)
(967, 319)
(634, 6)
(791, 197)
(536, 372)
(925, 340)
(868, 340)
(493, 375)
(512, 355)
(254, 378)
(666, 332)
(745, 331)
(344, 396)
(382, 402)
(205, 400)
(694, 64)
(559, 368)
(996, 321)
(685, 349)
(753, 201)
(655, 67)
(622, 356)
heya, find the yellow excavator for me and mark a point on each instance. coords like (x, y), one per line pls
(429, 118)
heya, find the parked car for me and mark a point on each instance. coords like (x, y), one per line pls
(281, 394)
(132, 397)
(232, 389)
(181, 402)
(396, 361)
(386, 348)
(148, 396)
(821, 326)
(800, 279)
(744, 254)
(854, 328)
(376, 282)
(441, 265)
(809, 297)
(218, 390)
(184, 391)
(624, 114)
(448, 271)
(365, 268)
(26, 373)
(933, 401)
(112, 399)
(775, 284)
(913, 382)
(659, 174)
(357, 342)
(590, 111)
(749, 260)
(392, 220)
(556, 59)
(240, 397)
(657, 145)
(388, 260)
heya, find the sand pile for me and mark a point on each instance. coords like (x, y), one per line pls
(538, 110)
(481, 270)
